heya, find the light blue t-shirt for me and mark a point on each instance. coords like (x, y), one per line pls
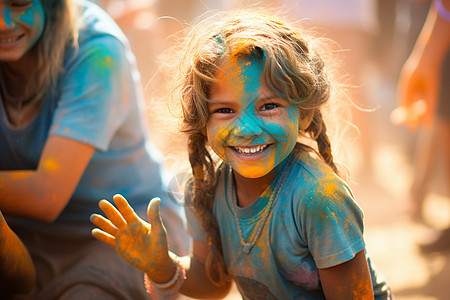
(315, 223)
(97, 101)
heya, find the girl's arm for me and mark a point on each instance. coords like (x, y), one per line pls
(349, 280)
(144, 245)
(197, 284)
(42, 194)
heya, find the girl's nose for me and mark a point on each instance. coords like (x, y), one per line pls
(247, 126)
(6, 22)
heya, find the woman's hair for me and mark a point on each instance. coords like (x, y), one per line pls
(60, 30)
(292, 68)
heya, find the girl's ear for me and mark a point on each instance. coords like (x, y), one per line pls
(306, 117)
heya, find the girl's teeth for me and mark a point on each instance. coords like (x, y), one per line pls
(251, 150)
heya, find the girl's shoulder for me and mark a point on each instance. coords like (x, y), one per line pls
(312, 167)
(311, 175)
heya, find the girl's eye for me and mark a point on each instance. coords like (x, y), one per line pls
(269, 106)
(224, 111)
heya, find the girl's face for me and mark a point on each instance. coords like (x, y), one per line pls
(250, 127)
(21, 25)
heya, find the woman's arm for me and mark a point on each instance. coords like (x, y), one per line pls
(349, 280)
(144, 245)
(42, 194)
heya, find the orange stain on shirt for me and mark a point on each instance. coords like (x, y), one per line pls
(19, 175)
(50, 165)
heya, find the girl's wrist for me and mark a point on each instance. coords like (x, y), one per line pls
(163, 272)
(167, 290)
(167, 283)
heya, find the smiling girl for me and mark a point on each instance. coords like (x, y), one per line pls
(271, 213)
(71, 132)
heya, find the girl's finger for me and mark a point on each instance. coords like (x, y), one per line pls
(154, 216)
(112, 213)
(125, 209)
(103, 237)
(104, 224)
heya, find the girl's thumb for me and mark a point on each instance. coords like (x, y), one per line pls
(153, 215)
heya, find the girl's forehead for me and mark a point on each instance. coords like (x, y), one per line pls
(241, 67)
(242, 75)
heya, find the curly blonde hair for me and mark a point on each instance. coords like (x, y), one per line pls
(292, 68)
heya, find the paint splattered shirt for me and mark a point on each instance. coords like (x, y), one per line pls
(315, 223)
(97, 101)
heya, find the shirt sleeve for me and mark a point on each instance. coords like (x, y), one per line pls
(332, 223)
(94, 101)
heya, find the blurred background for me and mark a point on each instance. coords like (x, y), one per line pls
(399, 177)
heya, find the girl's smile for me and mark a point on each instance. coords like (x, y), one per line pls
(251, 150)
(251, 128)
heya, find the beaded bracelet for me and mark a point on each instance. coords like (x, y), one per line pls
(442, 11)
(167, 290)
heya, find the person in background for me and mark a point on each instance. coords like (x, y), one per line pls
(265, 203)
(72, 132)
(424, 101)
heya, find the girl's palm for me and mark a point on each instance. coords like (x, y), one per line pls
(142, 244)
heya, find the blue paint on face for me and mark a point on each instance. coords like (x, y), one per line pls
(251, 128)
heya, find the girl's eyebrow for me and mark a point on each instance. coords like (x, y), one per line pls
(217, 102)
(269, 97)
(214, 104)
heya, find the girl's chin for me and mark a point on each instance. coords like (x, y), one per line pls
(251, 172)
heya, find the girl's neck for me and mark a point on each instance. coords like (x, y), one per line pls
(248, 190)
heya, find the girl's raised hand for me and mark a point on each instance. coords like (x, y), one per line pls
(142, 244)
